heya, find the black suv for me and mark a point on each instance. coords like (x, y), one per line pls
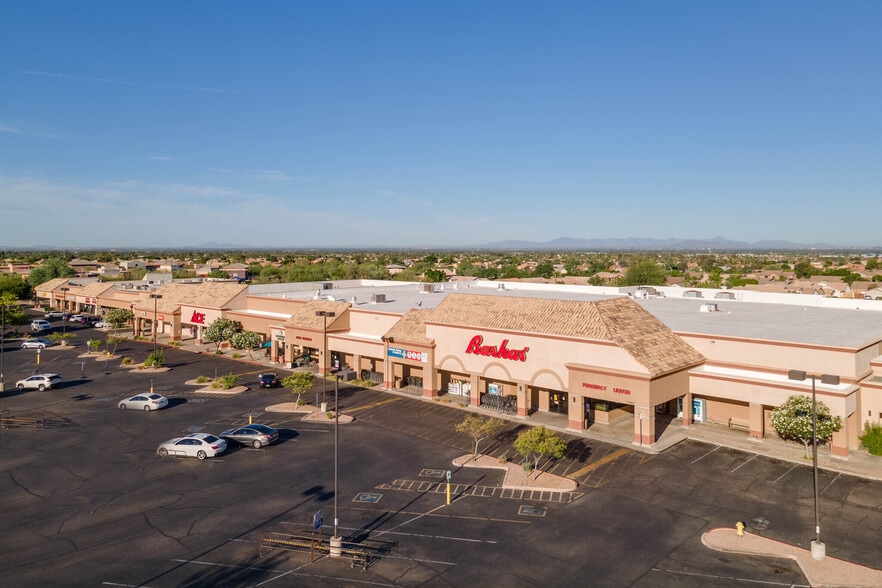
(269, 381)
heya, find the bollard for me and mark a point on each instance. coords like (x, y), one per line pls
(739, 526)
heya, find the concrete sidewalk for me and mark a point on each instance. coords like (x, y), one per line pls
(827, 572)
(670, 430)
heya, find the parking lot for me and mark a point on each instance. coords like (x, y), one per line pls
(87, 501)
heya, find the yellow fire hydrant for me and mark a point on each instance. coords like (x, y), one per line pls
(739, 526)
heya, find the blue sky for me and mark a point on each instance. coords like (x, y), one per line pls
(438, 124)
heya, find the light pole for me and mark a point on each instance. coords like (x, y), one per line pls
(336, 443)
(155, 297)
(818, 548)
(2, 341)
(325, 314)
(63, 311)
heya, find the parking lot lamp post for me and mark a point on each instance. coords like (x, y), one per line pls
(63, 310)
(155, 297)
(818, 548)
(2, 341)
(336, 442)
(325, 314)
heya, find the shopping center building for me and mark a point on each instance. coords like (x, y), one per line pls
(594, 356)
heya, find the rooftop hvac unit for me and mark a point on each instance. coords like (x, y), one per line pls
(709, 307)
(428, 288)
(327, 285)
(500, 287)
(378, 298)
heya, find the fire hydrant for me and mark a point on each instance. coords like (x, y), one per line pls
(739, 526)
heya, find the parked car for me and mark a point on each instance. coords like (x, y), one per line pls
(269, 381)
(77, 318)
(146, 402)
(100, 324)
(198, 445)
(54, 314)
(41, 325)
(254, 435)
(36, 343)
(39, 382)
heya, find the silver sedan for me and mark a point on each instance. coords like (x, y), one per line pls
(146, 402)
(254, 435)
(198, 445)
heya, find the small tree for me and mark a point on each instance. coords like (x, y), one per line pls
(793, 421)
(479, 428)
(118, 317)
(221, 330)
(13, 313)
(248, 340)
(113, 342)
(94, 345)
(299, 382)
(538, 441)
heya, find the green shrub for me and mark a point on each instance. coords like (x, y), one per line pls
(202, 379)
(872, 438)
(225, 382)
(155, 359)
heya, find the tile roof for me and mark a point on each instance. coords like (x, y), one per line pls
(206, 295)
(411, 328)
(52, 284)
(95, 289)
(617, 320)
(305, 317)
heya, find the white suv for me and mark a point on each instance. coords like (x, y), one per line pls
(41, 325)
(40, 382)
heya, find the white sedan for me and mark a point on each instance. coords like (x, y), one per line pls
(198, 445)
(146, 402)
(36, 344)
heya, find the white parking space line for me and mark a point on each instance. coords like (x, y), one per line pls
(744, 463)
(706, 454)
(831, 483)
(784, 474)
(444, 537)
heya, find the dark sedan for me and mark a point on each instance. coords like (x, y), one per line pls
(269, 381)
(254, 435)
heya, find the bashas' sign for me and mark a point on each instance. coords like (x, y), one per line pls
(477, 347)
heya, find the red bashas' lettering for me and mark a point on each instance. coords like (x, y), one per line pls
(477, 347)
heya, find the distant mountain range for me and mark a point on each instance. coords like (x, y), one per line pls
(717, 244)
(642, 244)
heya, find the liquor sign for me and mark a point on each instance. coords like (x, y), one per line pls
(408, 354)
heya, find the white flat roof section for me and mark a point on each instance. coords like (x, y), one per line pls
(787, 318)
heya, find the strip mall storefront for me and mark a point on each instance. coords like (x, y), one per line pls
(570, 364)
(595, 362)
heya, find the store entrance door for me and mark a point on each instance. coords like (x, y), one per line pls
(557, 402)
